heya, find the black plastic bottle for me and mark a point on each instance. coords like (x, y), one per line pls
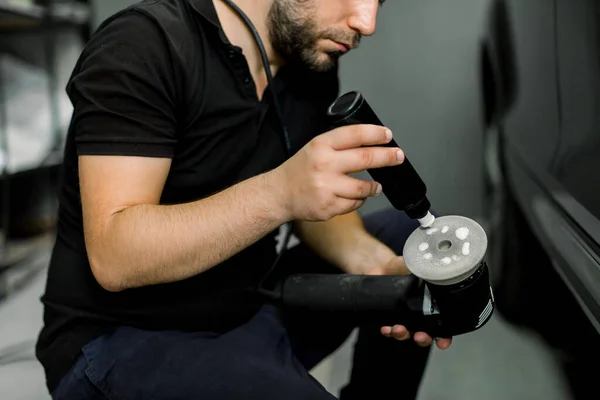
(401, 184)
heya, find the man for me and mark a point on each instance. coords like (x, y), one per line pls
(176, 179)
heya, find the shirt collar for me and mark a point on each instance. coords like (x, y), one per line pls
(206, 9)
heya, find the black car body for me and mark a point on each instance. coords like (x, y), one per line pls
(540, 82)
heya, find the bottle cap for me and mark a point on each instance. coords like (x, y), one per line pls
(427, 220)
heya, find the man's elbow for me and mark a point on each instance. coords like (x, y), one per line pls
(104, 262)
(107, 275)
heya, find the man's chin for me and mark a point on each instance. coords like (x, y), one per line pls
(323, 62)
(326, 62)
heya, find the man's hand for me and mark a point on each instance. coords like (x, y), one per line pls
(344, 242)
(396, 266)
(316, 184)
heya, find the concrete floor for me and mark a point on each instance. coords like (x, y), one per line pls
(495, 363)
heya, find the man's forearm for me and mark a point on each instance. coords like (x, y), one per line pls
(343, 241)
(151, 244)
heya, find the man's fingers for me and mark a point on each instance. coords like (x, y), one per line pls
(397, 266)
(349, 187)
(353, 136)
(397, 332)
(423, 339)
(443, 344)
(349, 205)
(386, 331)
(363, 158)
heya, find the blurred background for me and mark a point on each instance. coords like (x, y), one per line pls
(495, 102)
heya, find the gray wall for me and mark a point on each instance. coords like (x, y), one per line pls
(105, 8)
(419, 72)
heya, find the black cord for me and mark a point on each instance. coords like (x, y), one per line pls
(267, 66)
(274, 295)
(286, 137)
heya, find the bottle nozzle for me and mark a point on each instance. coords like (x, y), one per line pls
(427, 220)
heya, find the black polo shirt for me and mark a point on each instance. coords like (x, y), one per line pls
(160, 79)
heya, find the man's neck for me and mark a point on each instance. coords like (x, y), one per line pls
(238, 34)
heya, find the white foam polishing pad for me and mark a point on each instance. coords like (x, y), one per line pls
(447, 252)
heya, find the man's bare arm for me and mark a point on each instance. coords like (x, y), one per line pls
(133, 241)
(344, 242)
(330, 239)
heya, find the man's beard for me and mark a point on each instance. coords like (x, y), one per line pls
(294, 35)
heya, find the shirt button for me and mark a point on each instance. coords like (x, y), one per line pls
(246, 80)
(231, 54)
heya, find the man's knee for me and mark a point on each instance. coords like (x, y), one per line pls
(251, 362)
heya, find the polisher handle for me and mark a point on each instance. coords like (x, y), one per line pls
(385, 300)
(343, 292)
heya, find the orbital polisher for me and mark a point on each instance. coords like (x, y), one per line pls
(448, 292)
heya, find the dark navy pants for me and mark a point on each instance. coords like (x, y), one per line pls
(267, 358)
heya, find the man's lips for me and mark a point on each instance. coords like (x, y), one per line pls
(343, 46)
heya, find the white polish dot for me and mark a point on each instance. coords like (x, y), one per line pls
(466, 249)
(462, 233)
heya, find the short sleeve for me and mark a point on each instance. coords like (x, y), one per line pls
(123, 91)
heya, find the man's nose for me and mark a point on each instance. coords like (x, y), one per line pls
(364, 17)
